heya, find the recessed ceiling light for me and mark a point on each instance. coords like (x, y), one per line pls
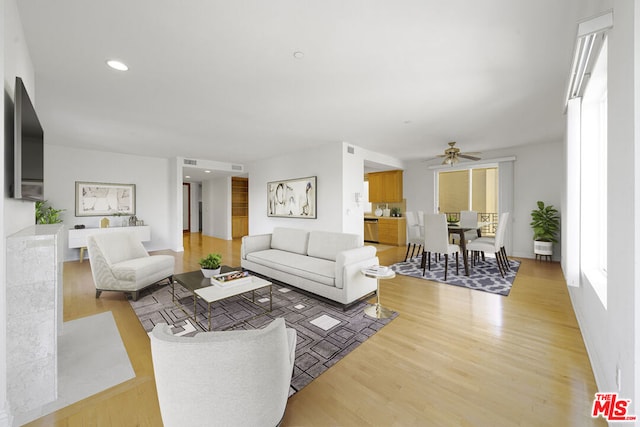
(117, 65)
(406, 122)
(207, 171)
(298, 55)
(187, 176)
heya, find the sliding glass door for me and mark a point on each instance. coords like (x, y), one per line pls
(474, 189)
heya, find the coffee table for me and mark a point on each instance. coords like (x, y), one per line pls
(201, 287)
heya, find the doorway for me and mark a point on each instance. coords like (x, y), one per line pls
(186, 207)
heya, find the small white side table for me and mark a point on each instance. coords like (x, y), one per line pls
(376, 310)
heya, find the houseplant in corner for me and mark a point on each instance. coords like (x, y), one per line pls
(210, 265)
(545, 223)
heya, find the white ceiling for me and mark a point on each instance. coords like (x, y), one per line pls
(218, 80)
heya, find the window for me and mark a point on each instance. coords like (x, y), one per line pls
(474, 189)
(593, 179)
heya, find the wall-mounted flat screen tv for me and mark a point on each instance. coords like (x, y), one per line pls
(28, 183)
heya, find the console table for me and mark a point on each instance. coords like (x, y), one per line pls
(78, 237)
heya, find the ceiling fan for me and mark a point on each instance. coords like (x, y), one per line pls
(452, 154)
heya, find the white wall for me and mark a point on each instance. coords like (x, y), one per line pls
(325, 162)
(216, 207)
(196, 197)
(64, 166)
(538, 175)
(14, 214)
(612, 334)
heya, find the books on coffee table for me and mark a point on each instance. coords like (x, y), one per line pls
(231, 278)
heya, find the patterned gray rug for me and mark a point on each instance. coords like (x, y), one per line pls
(326, 333)
(484, 276)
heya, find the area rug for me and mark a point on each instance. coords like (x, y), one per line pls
(91, 358)
(326, 333)
(484, 276)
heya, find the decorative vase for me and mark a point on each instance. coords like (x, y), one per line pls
(207, 272)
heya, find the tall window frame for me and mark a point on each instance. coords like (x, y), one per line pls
(488, 215)
(593, 178)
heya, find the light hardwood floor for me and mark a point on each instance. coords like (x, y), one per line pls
(452, 357)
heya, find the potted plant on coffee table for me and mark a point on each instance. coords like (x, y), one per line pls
(545, 223)
(210, 265)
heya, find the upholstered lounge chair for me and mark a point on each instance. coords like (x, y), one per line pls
(228, 378)
(119, 262)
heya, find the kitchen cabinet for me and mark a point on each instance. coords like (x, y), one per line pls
(385, 187)
(392, 231)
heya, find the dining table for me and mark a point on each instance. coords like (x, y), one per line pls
(456, 228)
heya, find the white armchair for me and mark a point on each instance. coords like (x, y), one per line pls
(228, 378)
(119, 262)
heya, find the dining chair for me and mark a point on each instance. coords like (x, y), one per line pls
(415, 238)
(467, 219)
(436, 241)
(420, 216)
(493, 245)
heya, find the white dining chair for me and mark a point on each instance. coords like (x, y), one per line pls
(467, 219)
(493, 245)
(420, 216)
(415, 238)
(436, 241)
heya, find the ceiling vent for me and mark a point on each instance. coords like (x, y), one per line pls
(350, 149)
(236, 167)
(190, 162)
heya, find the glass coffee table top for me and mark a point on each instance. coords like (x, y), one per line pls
(195, 280)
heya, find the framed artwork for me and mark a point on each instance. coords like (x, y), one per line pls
(102, 199)
(292, 198)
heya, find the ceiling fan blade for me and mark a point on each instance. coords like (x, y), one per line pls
(472, 153)
(466, 156)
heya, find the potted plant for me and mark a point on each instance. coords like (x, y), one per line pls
(395, 212)
(47, 214)
(545, 223)
(210, 265)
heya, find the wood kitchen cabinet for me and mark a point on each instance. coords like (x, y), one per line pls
(385, 187)
(392, 231)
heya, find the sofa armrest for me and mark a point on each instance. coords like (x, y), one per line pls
(259, 242)
(362, 257)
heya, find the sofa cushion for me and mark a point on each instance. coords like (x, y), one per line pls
(327, 244)
(319, 270)
(290, 240)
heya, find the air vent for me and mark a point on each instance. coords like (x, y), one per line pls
(190, 162)
(350, 149)
(236, 167)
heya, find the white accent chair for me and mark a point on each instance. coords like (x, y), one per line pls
(436, 241)
(228, 378)
(415, 237)
(119, 262)
(493, 245)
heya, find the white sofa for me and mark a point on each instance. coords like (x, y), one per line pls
(324, 263)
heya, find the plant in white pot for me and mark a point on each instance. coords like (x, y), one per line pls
(545, 223)
(210, 265)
